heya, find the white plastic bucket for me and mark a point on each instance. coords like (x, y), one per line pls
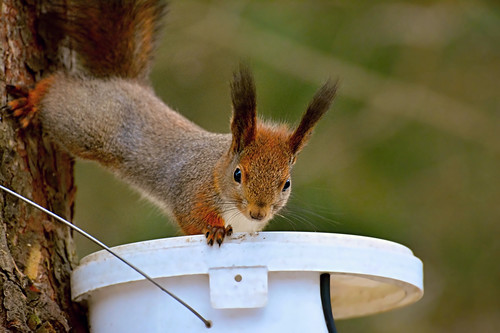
(265, 282)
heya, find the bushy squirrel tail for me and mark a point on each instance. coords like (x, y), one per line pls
(113, 38)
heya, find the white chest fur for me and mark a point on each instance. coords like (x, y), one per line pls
(241, 223)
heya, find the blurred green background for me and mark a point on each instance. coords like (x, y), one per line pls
(410, 151)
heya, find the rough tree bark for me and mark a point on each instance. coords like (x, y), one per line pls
(36, 252)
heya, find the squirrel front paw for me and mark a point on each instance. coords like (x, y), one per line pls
(27, 102)
(217, 234)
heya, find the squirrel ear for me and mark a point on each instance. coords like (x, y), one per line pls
(319, 105)
(244, 121)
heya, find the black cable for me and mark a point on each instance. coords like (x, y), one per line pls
(326, 302)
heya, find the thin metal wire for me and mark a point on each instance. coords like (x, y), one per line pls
(207, 323)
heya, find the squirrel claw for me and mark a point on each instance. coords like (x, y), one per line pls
(21, 107)
(27, 102)
(229, 230)
(217, 234)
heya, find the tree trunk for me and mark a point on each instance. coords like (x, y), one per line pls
(36, 252)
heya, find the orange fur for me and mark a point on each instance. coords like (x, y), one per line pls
(273, 140)
(25, 108)
(204, 219)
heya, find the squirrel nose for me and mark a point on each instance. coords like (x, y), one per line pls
(258, 211)
(257, 215)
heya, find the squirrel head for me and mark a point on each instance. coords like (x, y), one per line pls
(256, 180)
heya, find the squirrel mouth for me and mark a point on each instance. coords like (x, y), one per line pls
(243, 222)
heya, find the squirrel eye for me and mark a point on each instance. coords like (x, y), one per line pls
(287, 185)
(237, 175)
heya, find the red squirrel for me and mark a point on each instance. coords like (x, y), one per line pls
(210, 183)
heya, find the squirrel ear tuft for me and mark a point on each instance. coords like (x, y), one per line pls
(244, 121)
(317, 108)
